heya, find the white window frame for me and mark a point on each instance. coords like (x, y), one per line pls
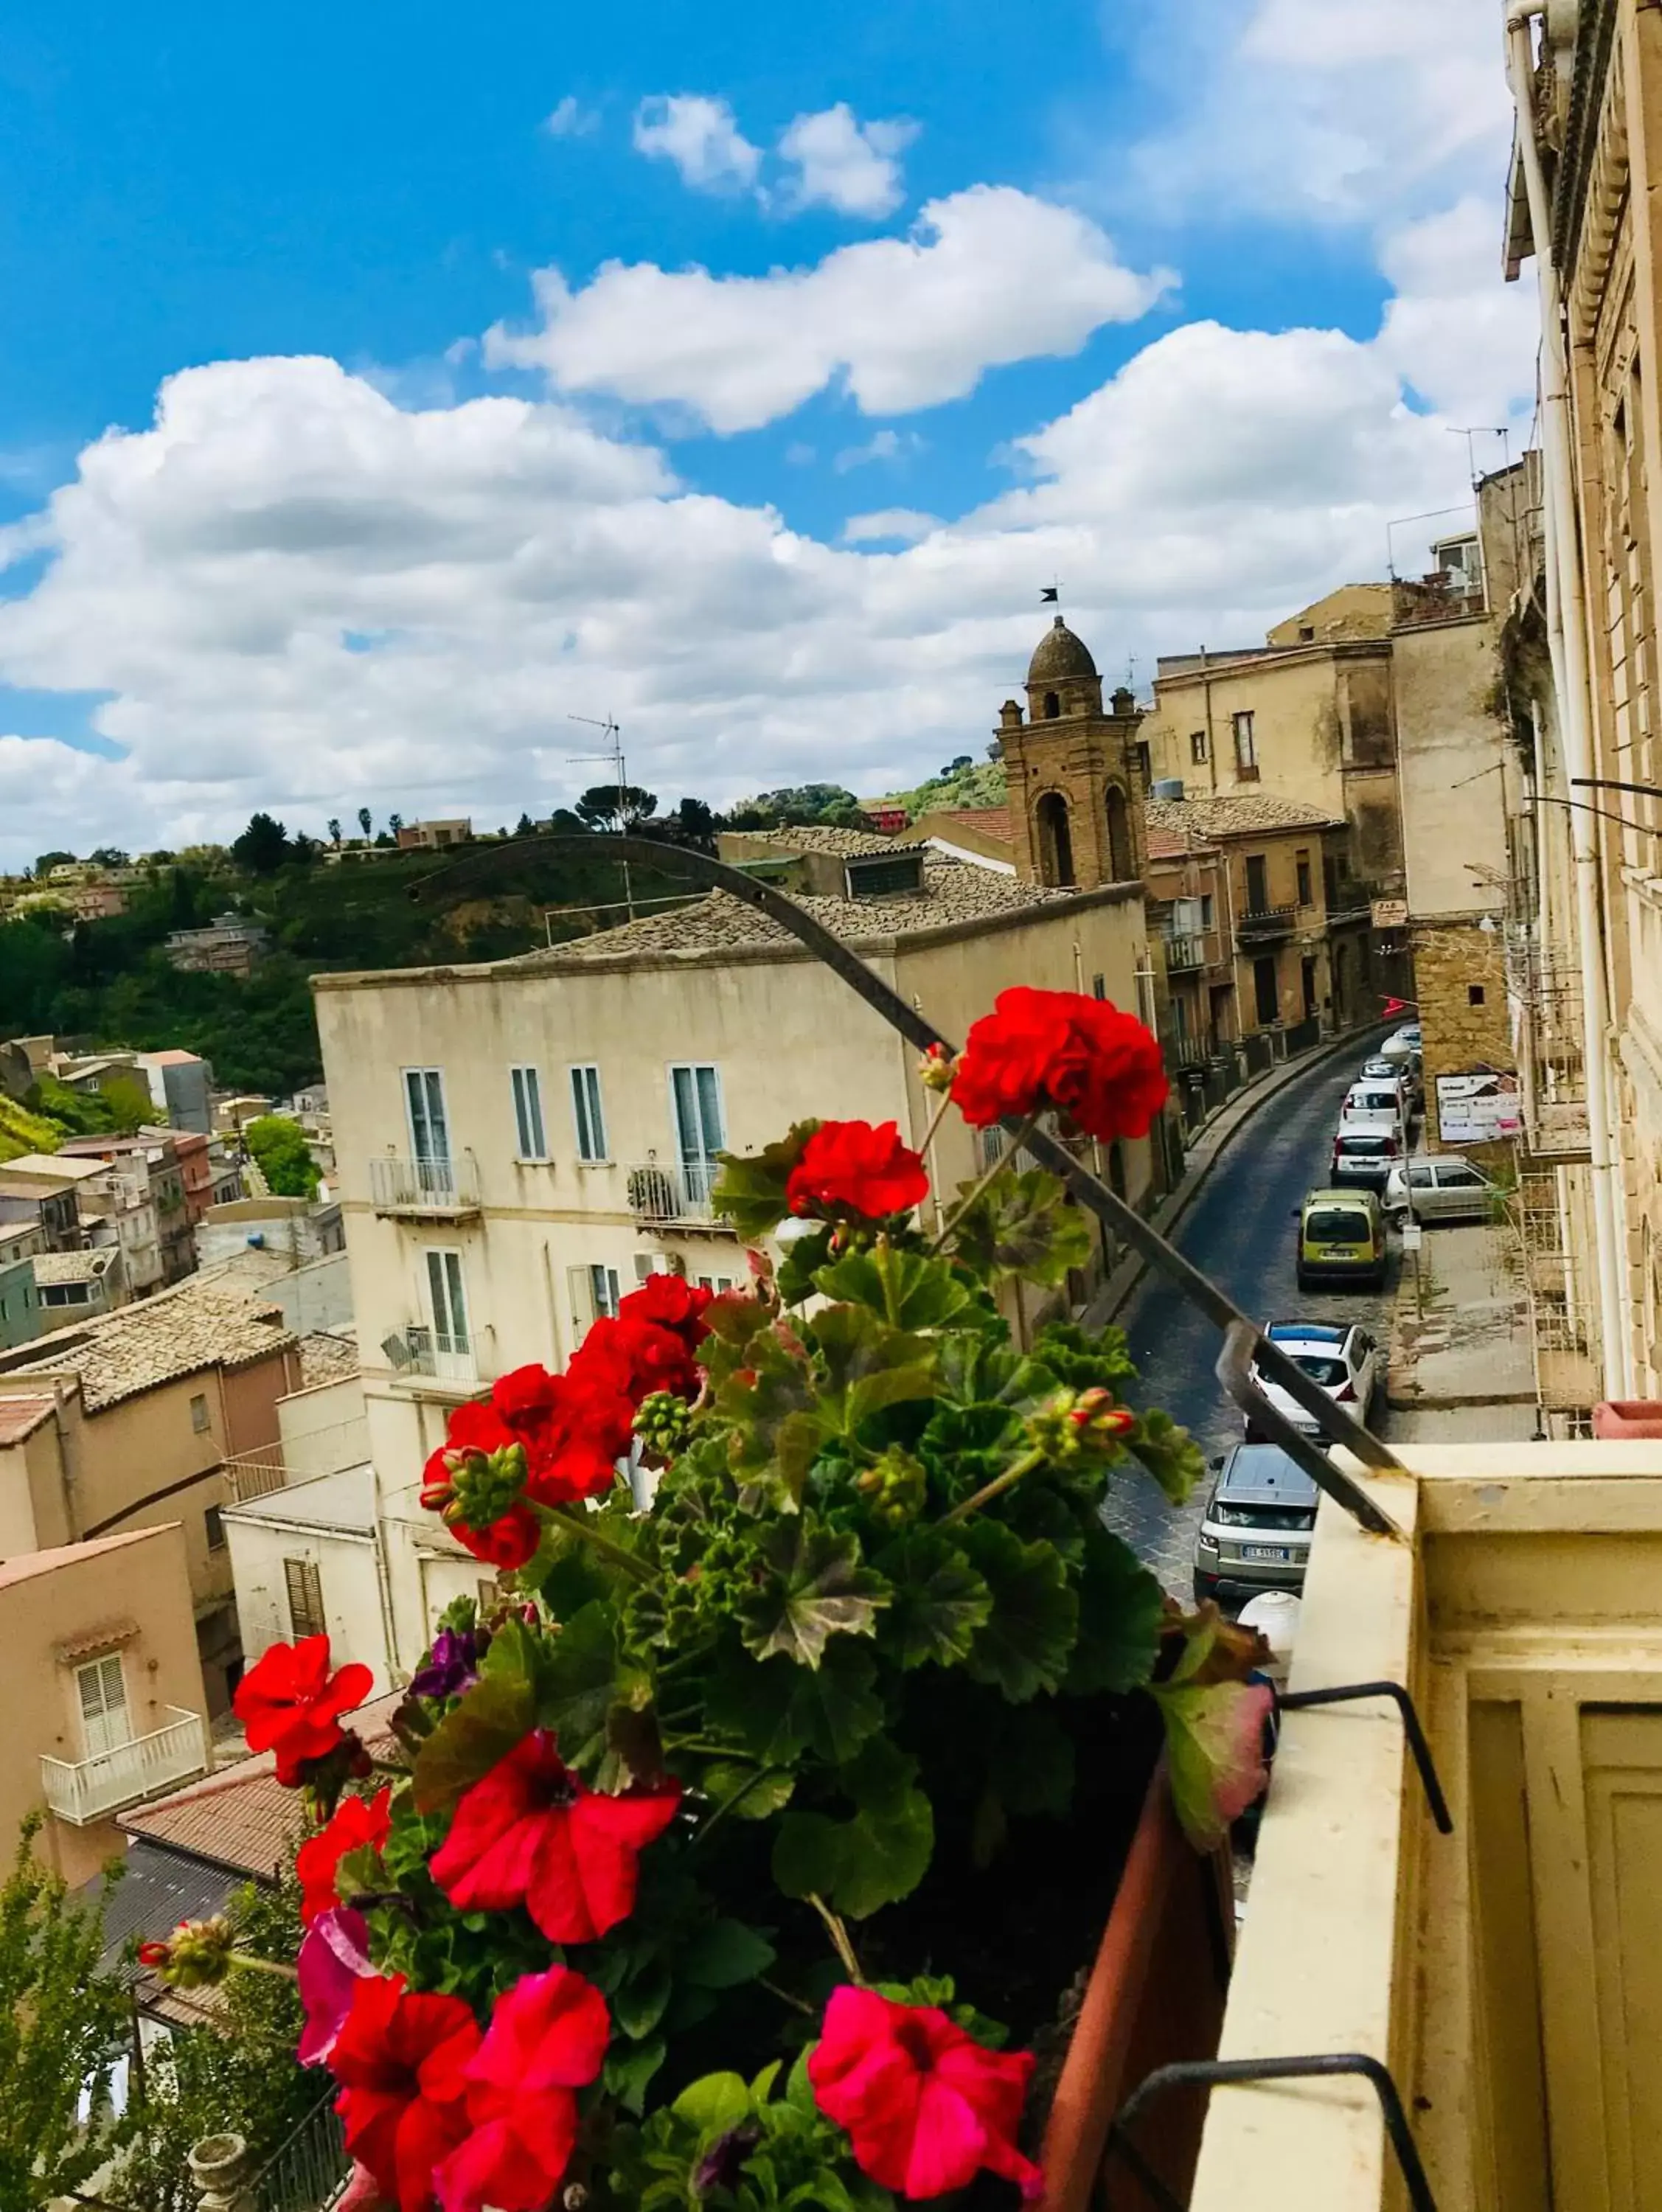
(588, 1114)
(445, 1285)
(96, 1735)
(434, 1077)
(698, 1171)
(530, 1130)
(1241, 724)
(605, 1289)
(593, 1289)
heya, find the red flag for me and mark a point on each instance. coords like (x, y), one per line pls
(1398, 1006)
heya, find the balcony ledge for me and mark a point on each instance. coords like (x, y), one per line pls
(87, 1790)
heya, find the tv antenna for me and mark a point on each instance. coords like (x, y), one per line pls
(614, 755)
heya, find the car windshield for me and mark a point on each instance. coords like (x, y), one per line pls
(1263, 1468)
(1330, 1373)
(1368, 1147)
(1337, 1224)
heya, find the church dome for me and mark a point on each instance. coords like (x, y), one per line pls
(1059, 654)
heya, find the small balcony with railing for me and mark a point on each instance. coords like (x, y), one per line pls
(425, 1190)
(664, 1197)
(85, 1790)
(423, 1353)
(1265, 925)
(1189, 950)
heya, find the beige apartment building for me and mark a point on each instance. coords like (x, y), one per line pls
(103, 1702)
(1584, 914)
(523, 1141)
(128, 1423)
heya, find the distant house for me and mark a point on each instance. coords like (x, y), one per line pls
(20, 1302)
(231, 945)
(75, 1285)
(180, 1084)
(42, 1188)
(421, 837)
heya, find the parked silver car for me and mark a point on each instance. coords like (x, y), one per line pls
(1255, 1535)
(1443, 1188)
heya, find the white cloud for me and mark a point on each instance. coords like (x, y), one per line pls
(571, 120)
(302, 596)
(905, 524)
(700, 137)
(1346, 111)
(1466, 343)
(881, 446)
(987, 276)
(845, 164)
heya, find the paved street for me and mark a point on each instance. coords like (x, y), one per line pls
(1240, 1230)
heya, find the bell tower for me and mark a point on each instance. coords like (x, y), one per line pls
(1075, 787)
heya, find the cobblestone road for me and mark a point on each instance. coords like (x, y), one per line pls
(1240, 1231)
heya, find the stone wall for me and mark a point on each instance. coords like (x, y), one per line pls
(1451, 960)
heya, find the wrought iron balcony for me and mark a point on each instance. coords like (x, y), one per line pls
(1260, 925)
(418, 1351)
(83, 1790)
(661, 1197)
(428, 1190)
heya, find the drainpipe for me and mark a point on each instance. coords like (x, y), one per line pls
(1567, 641)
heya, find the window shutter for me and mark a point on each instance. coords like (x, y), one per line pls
(305, 1588)
(581, 1290)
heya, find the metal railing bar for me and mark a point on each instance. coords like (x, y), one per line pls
(1214, 2073)
(1345, 1694)
(1234, 1371)
(1330, 1418)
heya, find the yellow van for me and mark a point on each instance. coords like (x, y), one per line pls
(1342, 1238)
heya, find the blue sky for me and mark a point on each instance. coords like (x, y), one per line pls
(1175, 302)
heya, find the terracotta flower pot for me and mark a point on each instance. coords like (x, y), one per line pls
(1628, 1417)
(1156, 1994)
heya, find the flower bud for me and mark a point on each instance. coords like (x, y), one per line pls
(195, 1956)
(896, 1487)
(482, 1488)
(1072, 1422)
(936, 1069)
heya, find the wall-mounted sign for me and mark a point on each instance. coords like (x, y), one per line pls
(1478, 1109)
(1390, 914)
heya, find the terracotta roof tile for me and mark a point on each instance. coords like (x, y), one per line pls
(22, 1417)
(819, 837)
(198, 1324)
(243, 1817)
(1234, 814)
(27, 1564)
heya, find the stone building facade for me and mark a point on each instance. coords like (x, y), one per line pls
(1076, 776)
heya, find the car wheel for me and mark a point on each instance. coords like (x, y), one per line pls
(1302, 1280)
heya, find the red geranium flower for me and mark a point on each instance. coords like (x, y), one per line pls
(547, 2039)
(507, 1544)
(926, 2107)
(670, 1302)
(400, 2059)
(358, 1823)
(533, 1833)
(573, 1427)
(1061, 1048)
(851, 1167)
(290, 1704)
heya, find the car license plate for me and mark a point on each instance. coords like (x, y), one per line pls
(1281, 1552)
(1338, 1252)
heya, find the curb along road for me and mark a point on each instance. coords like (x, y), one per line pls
(1213, 1139)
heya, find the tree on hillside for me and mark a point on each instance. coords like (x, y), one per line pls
(334, 830)
(284, 1156)
(806, 803)
(48, 861)
(614, 807)
(365, 817)
(63, 2026)
(111, 856)
(395, 823)
(263, 846)
(524, 826)
(691, 823)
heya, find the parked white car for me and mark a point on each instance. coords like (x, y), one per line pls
(1343, 1357)
(1443, 1188)
(1404, 1073)
(1373, 1103)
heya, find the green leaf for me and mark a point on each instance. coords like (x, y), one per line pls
(1024, 1646)
(751, 1793)
(724, 1954)
(818, 1589)
(638, 2006)
(496, 1713)
(714, 2104)
(630, 2069)
(939, 1601)
(909, 1290)
(1030, 1761)
(511, 1653)
(1170, 1455)
(1022, 1224)
(878, 1857)
(1120, 1608)
(1081, 1359)
(579, 1680)
(1214, 1751)
(751, 1189)
(777, 1709)
(773, 1404)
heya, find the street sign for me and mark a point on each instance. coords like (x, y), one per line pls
(1412, 1236)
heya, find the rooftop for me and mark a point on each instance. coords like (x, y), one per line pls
(74, 1267)
(952, 893)
(1059, 653)
(21, 1418)
(984, 820)
(345, 1500)
(818, 838)
(243, 1817)
(1233, 814)
(48, 1169)
(28, 1566)
(199, 1323)
(326, 1356)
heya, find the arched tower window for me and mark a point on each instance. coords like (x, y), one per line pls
(1056, 841)
(1120, 868)
(1052, 706)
